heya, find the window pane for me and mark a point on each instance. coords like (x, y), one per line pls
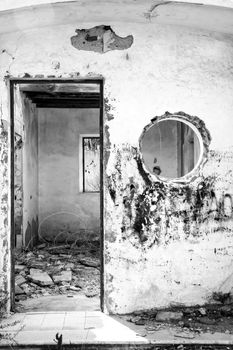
(91, 164)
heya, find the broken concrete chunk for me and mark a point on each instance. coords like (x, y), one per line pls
(202, 311)
(18, 290)
(19, 279)
(20, 297)
(75, 288)
(206, 320)
(91, 262)
(37, 264)
(140, 322)
(184, 335)
(163, 316)
(19, 268)
(151, 329)
(63, 276)
(100, 39)
(70, 265)
(27, 290)
(40, 277)
(91, 293)
(134, 319)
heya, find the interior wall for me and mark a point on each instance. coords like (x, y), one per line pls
(160, 143)
(164, 243)
(65, 212)
(30, 174)
(18, 189)
(18, 168)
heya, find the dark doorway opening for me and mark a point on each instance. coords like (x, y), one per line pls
(56, 193)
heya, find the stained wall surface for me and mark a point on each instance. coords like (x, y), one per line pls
(66, 213)
(30, 174)
(164, 242)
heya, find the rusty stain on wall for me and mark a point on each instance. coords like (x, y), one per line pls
(100, 39)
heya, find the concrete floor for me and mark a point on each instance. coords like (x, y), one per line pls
(91, 327)
(76, 328)
(69, 302)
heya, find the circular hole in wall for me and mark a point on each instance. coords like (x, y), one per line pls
(171, 148)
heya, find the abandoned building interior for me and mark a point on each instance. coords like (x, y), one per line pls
(57, 192)
(116, 163)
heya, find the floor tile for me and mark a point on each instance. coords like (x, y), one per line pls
(74, 321)
(94, 322)
(32, 322)
(53, 321)
(35, 337)
(74, 336)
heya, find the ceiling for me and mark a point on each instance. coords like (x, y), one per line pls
(213, 15)
(62, 95)
(13, 5)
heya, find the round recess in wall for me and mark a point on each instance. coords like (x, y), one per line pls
(171, 147)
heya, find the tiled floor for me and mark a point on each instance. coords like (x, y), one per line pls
(93, 327)
(75, 327)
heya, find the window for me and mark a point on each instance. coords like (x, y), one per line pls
(171, 148)
(90, 163)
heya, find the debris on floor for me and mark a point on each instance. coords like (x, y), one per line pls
(187, 321)
(61, 269)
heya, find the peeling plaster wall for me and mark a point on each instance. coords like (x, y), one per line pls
(66, 213)
(5, 256)
(182, 251)
(30, 174)
(18, 168)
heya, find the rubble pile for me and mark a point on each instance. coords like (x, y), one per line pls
(52, 270)
(188, 321)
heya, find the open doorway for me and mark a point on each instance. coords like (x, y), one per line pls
(57, 194)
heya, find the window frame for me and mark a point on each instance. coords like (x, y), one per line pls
(203, 147)
(81, 161)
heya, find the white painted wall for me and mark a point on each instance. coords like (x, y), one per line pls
(168, 68)
(66, 213)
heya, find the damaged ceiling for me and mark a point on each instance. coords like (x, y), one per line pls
(63, 96)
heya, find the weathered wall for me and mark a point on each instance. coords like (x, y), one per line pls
(164, 243)
(30, 174)
(18, 168)
(5, 256)
(65, 212)
(18, 189)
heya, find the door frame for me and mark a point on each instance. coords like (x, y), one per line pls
(13, 82)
